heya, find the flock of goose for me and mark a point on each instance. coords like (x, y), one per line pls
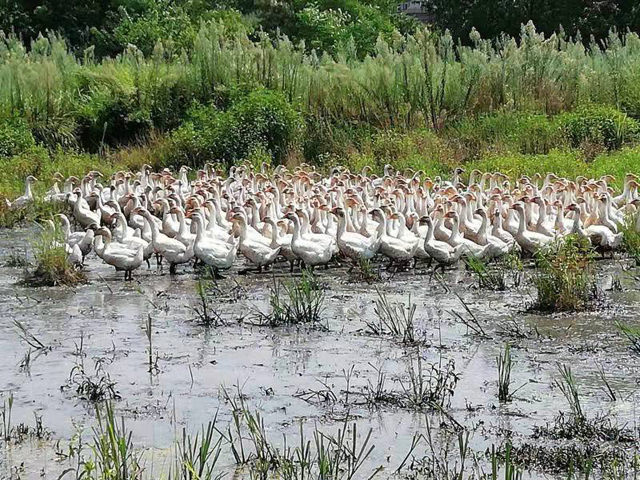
(304, 217)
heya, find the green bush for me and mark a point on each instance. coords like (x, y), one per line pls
(260, 121)
(15, 137)
(110, 116)
(511, 131)
(565, 277)
(599, 125)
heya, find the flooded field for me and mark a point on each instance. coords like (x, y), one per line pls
(311, 378)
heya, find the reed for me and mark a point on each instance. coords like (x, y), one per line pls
(569, 388)
(396, 319)
(416, 80)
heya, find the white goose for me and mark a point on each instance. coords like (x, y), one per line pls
(530, 242)
(174, 251)
(119, 256)
(310, 252)
(443, 253)
(25, 199)
(354, 245)
(257, 253)
(84, 240)
(216, 254)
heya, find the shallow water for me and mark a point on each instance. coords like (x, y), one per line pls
(274, 366)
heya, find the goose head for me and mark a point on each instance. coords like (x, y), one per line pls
(425, 220)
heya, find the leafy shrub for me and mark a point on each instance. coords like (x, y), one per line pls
(110, 115)
(599, 125)
(565, 277)
(512, 131)
(164, 21)
(262, 120)
(53, 267)
(15, 137)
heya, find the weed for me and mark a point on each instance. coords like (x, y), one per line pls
(5, 416)
(365, 272)
(491, 277)
(511, 328)
(197, 458)
(16, 258)
(52, 266)
(338, 456)
(504, 374)
(30, 338)
(207, 314)
(296, 302)
(631, 238)
(565, 277)
(569, 388)
(22, 431)
(469, 320)
(114, 455)
(93, 388)
(153, 366)
(430, 386)
(608, 390)
(632, 334)
(396, 319)
(438, 460)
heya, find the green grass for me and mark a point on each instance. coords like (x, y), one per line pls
(565, 276)
(295, 302)
(52, 267)
(632, 334)
(631, 238)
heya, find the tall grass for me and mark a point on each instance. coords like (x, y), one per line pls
(569, 388)
(296, 302)
(504, 374)
(52, 265)
(396, 319)
(423, 79)
(565, 278)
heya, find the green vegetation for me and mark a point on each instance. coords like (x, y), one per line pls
(396, 319)
(295, 302)
(632, 334)
(504, 374)
(131, 82)
(631, 238)
(565, 279)
(52, 266)
(418, 101)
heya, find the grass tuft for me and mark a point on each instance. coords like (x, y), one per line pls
(565, 277)
(395, 319)
(295, 302)
(52, 265)
(632, 334)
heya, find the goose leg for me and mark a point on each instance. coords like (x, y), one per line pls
(172, 268)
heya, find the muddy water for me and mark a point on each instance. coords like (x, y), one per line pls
(274, 366)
